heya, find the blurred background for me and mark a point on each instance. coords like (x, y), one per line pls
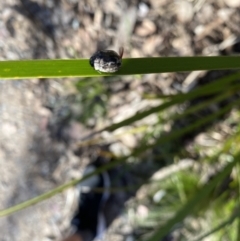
(44, 122)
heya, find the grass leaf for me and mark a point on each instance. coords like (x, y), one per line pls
(23, 69)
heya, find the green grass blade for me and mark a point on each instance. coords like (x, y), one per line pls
(210, 88)
(130, 66)
(57, 190)
(171, 136)
(229, 221)
(193, 202)
(202, 105)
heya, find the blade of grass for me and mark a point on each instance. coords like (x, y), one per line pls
(130, 66)
(228, 221)
(136, 152)
(203, 105)
(57, 190)
(178, 133)
(194, 201)
(174, 117)
(211, 88)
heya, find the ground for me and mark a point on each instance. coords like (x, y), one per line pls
(38, 140)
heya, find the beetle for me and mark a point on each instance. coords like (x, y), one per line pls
(107, 61)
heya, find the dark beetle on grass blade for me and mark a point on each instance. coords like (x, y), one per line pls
(107, 61)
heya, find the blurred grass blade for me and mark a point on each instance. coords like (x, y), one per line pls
(220, 226)
(81, 68)
(211, 88)
(194, 201)
(173, 135)
(163, 139)
(193, 109)
(56, 190)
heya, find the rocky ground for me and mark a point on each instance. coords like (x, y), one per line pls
(38, 141)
